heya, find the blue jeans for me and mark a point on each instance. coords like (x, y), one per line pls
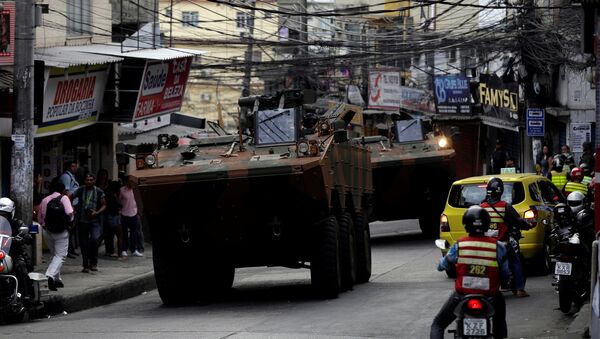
(131, 226)
(89, 234)
(514, 262)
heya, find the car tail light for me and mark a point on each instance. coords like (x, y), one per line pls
(531, 216)
(474, 306)
(444, 226)
(2, 255)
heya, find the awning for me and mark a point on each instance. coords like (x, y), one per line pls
(6, 79)
(69, 56)
(146, 53)
(499, 123)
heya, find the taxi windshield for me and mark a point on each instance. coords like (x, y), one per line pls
(463, 196)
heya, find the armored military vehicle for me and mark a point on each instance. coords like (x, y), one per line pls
(283, 192)
(413, 168)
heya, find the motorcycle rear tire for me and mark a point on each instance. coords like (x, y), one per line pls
(565, 294)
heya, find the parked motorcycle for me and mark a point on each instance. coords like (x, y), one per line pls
(572, 267)
(474, 314)
(22, 293)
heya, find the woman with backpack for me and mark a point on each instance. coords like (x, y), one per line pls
(56, 212)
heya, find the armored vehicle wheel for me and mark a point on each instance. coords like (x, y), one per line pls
(325, 264)
(363, 248)
(347, 251)
(175, 283)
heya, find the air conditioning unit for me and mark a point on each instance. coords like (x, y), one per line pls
(205, 97)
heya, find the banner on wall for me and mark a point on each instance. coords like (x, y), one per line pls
(7, 33)
(498, 99)
(579, 133)
(162, 88)
(384, 89)
(452, 94)
(72, 98)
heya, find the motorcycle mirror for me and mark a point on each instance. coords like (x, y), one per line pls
(545, 221)
(442, 244)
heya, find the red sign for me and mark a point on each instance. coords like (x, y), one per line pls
(7, 33)
(163, 87)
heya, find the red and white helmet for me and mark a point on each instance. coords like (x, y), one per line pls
(576, 174)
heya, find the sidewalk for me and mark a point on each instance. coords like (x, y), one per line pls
(115, 280)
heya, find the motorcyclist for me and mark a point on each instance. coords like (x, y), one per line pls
(587, 174)
(559, 177)
(481, 251)
(22, 263)
(506, 226)
(575, 183)
(583, 217)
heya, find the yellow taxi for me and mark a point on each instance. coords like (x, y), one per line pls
(533, 197)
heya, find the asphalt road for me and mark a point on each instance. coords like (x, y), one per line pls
(400, 301)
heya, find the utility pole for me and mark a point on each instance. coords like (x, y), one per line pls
(248, 56)
(21, 180)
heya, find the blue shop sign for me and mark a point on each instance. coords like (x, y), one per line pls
(535, 122)
(452, 94)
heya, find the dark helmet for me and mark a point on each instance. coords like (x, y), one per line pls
(495, 187)
(563, 214)
(476, 219)
(587, 170)
(557, 164)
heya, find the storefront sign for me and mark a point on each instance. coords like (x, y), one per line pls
(7, 33)
(498, 99)
(72, 100)
(452, 94)
(416, 99)
(579, 133)
(162, 87)
(535, 122)
(384, 89)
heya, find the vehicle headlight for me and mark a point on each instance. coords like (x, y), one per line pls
(150, 160)
(303, 147)
(443, 142)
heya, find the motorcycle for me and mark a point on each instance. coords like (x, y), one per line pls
(474, 313)
(572, 266)
(18, 303)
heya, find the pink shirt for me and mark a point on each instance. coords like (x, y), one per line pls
(127, 200)
(65, 201)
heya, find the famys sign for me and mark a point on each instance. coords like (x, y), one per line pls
(72, 100)
(497, 98)
(162, 88)
(7, 33)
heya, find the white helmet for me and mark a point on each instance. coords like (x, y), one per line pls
(576, 201)
(7, 206)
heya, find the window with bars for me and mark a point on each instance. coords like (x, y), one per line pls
(190, 19)
(243, 20)
(79, 18)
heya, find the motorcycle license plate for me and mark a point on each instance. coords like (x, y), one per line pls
(563, 268)
(475, 327)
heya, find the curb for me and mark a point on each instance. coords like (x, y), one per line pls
(109, 294)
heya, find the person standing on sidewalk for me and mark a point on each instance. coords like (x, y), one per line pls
(112, 220)
(71, 185)
(130, 221)
(90, 207)
(56, 232)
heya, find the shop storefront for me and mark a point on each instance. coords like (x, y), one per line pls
(69, 97)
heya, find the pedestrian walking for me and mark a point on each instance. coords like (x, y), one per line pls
(55, 215)
(132, 232)
(499, 158)
(71, 184)
(89, 210)
(112, 220)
